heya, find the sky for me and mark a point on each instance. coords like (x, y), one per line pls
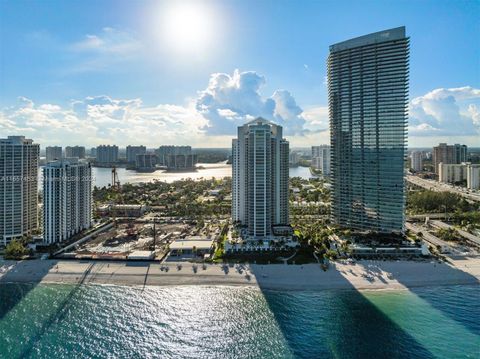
(189, 72)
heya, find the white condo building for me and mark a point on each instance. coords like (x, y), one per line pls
(107, 154)
(473, 176)
(321, 158)
(260, 172)
(75, 151)
(133, 151)
(19, 159)
(417, 161)
(67, 199)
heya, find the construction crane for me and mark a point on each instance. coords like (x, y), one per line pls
(115, 178)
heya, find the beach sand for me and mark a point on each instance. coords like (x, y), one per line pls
(363, 275)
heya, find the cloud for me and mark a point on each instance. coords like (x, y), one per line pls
(100, 51)
(101, 119)
(231, 100)
(445, 112)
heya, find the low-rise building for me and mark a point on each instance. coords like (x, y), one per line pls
(191, 246)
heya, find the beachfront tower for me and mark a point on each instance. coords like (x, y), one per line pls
(67, 199)
(260, 178)
(368, 97)
(18, 188)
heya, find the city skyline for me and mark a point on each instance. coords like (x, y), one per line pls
(118, 78)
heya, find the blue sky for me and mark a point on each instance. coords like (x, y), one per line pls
(166, 72)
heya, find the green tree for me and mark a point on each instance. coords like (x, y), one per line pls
(15, 250)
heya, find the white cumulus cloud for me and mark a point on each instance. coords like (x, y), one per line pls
(445, 112)
(230, 100)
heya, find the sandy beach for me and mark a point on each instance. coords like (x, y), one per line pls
(363, 275)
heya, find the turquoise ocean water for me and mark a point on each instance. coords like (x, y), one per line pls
(94, 321)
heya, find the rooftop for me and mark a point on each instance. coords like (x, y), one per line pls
(373, 38)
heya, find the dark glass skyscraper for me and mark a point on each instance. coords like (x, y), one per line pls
(368, 97)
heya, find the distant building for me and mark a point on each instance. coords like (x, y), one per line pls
(416, 161)
(19, 158)
(145, 162)
(460, 173)
(448, 154)
(367, 97)
(163, 151)
(473, 176)
(133, 151)
(321, 158)
(93, 152)
(294, 158)
(260, 186)
(67, 199)
(181, 162)
(452, 173)
(107, 154)
(53, 153)
(75, 151)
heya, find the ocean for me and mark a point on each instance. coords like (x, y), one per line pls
(98, 321)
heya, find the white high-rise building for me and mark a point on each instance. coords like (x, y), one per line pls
(75, 151)
(53, 153)
(67, 199)
(473, 176)
(417, 161)
(133, 151)
(321, 158)
(107, 154)
(260, 178)
(19, 159)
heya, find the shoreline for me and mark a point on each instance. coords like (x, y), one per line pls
(364, 275)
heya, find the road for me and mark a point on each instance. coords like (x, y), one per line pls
(468, 236)
(441, 187)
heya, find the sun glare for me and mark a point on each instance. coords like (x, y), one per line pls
(187, 26)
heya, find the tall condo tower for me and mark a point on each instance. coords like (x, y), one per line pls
(67, 199)
(367, 97)
(18, 187)
(260, 178)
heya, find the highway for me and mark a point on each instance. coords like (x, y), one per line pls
(468, 236)
(441, 187)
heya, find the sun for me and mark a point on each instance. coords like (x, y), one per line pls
(187, 26)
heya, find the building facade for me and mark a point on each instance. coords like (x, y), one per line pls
(368, 96)
(448, 154)
(164, 151)
(473, 176)
(460, 174)
(75, 151)
(133, 151)
(53, 153)
(294, 158)
(452, 173)
(321, 158)
(260, 186)
(107, 154)
(19, 158)
(145, 162)
(180, 162)
(416, 161)
(67, 199)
